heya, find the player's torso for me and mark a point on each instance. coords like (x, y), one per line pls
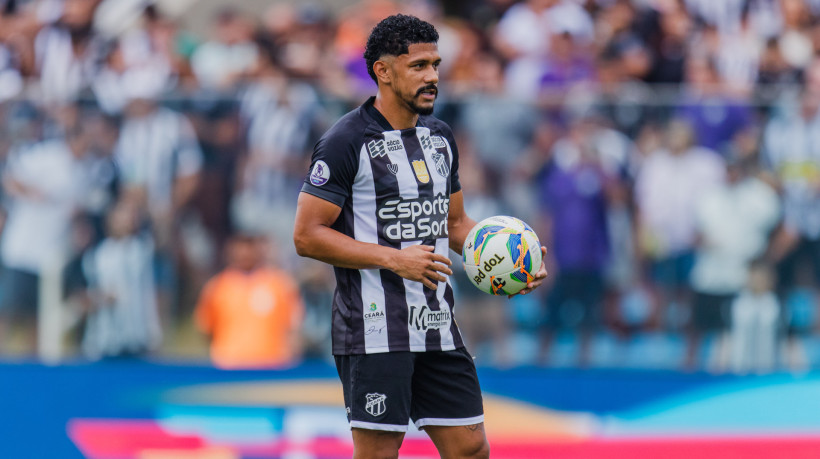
(408, 174)
(400, 197)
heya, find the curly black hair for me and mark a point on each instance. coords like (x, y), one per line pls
(393, 35)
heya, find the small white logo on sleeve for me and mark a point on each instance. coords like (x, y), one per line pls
(375, 404)
(320, 174)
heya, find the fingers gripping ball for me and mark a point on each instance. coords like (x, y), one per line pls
(501, 255)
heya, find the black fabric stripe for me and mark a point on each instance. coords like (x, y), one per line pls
(448, 292)
(386, 187)
(347, 332)
(449, 298)
(426, 190)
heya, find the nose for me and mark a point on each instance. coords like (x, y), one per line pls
(431, 76)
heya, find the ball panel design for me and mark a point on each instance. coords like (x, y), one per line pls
(501, 254)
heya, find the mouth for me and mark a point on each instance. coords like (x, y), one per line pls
(428, 93)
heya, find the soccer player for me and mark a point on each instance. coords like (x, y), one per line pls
(383, 204)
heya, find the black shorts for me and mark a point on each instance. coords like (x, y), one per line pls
(385, 391)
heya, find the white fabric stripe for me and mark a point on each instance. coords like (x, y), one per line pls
(414, 295)
(447, 342)
(449, 422)
(364, 229)
(374, 426)
(439, 182)
(442, 244)
(408, 189)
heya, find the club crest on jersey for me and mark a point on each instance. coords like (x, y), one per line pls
(376, 148)
(393, 168)
(442, 167)
(320, 174)
(420, 168)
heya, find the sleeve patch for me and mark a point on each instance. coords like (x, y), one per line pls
(320, 174)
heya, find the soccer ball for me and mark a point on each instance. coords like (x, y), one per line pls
(501, 255)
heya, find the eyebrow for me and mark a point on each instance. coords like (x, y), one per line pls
(423, 60)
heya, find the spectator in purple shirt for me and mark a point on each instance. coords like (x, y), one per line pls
(715, 117)
(574, 187)
(565, 64)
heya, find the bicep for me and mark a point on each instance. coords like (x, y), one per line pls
(312, 211)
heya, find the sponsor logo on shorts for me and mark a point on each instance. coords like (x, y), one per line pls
(375, 405)
(320, 174)
(423, 318)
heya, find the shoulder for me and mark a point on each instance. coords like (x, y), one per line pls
(348, 130)
(438, 128)
(435, 124)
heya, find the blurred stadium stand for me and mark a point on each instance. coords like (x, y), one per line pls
(661, 149)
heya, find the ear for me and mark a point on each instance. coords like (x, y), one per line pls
(383, 71)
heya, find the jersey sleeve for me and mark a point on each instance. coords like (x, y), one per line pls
(333, 168)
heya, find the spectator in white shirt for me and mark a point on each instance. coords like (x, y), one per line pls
(45, 183)
(734, 222)
(523, 37)
(670, 183)
(231, 54)
(791, 144)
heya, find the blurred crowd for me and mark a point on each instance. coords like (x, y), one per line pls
(666, 151)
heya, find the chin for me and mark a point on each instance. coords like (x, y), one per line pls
(424, 110)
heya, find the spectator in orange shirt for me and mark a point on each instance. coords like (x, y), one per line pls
(251, 311)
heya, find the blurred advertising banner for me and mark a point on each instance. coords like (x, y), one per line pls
(117, 410)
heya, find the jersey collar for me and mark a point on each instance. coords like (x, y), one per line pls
(376, 114)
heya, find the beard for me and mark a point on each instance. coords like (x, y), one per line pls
(411, 102)
(421, 110)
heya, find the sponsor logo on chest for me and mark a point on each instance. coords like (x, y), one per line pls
(415, 218)
(373, 313)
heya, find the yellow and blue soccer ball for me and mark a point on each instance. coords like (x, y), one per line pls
(501, 255)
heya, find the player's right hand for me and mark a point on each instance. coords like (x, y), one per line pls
(419, 263)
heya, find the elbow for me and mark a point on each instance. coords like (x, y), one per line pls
(302, 244)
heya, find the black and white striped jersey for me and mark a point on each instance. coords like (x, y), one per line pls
(393, 187)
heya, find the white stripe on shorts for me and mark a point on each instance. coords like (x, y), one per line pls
(375, 426)
(448, 421)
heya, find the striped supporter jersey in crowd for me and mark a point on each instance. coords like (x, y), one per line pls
(393, 187)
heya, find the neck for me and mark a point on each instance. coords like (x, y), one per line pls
(394, 110)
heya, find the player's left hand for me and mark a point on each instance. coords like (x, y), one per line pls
(539, 276)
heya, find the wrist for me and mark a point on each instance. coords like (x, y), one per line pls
(389, 258)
